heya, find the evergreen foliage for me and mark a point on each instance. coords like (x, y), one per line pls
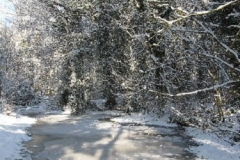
(175, 57)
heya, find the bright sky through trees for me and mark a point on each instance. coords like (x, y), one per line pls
(6, 10)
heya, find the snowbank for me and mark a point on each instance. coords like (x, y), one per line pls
(144, 119)
(212, 147)
(12, 134)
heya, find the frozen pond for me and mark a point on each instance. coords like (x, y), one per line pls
(96, 137)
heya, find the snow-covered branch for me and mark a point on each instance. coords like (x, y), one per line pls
(186, 14)
(234, 26)
(199, 13)
(228, 49)
(214, 87)
(220, 60)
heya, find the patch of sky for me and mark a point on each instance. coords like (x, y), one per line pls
(6, 11)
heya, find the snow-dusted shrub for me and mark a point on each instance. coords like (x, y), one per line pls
(24, 95)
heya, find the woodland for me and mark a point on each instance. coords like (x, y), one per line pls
(178, 58)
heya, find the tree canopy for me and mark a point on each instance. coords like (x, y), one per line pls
(178, 57)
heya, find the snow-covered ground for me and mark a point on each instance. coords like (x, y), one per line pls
(13, 130)
(211, 147)
(144, 119)
(13, 133)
